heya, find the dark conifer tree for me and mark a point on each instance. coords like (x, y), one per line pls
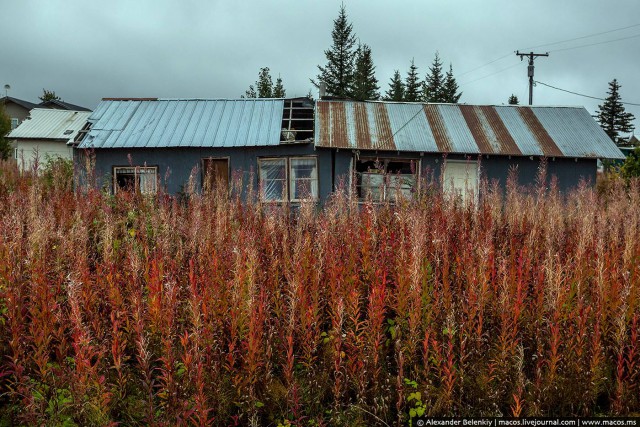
(612, 116)
(396, 88)
(278, 89)
(264, 88)
(412, 85)
(338, 73)
(365, 83)
(450, 88)
(433, 89)
(513, 100)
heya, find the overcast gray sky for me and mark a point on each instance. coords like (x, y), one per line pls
(87, 50)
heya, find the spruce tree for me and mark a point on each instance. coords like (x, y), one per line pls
(412, 84)
(339, 72)
(513, 100)
(612, 116)
(264, 84)
(433, 89)
(396, 88)
(450, 88)
(264, 88)
(278, 89)
(250, 93)
(365, 83)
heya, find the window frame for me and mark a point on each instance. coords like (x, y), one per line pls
(387, 196)
(287, 179)
(316, 179)
(136, 169)
(16, 121)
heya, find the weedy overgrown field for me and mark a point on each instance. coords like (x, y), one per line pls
(207, 310)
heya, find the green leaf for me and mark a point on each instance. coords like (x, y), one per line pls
(259, 404)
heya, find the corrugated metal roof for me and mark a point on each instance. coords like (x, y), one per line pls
(136, 123)
(45, 123)
(460, 128)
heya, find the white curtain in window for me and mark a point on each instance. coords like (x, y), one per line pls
(304, 178)
(273, 179)
(147, 179)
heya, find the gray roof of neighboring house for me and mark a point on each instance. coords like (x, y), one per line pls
(46, 123)
(25, 104)
(152, 123)
(56, 103)
(460, 128)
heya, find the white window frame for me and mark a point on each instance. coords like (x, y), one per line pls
(137, 171)
(388, 190)
(15, 122)
(446, 187)
(283, 197)
(313, 180)
(288, 185)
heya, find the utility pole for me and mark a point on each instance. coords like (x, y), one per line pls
(531, 56)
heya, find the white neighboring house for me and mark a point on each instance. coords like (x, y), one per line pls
(44, 134)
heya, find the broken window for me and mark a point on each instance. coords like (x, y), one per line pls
(135, 178)
(297, 120)
(385, 179)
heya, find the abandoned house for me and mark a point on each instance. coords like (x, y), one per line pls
(293, 149)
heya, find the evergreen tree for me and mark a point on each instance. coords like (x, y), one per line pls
(365, 83)
(631, 166)
(5, 128)
(264, 84)
(412, 85)
(339, 71)
(513, 100)
(612, 117)
(433, 89)
(264, 88)
(250, 93)
(396, 88)
(49, 95)
(278, 89)
(450, 88)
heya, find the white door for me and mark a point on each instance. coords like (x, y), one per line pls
(461, 178)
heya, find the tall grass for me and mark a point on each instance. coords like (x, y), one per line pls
(213, 311)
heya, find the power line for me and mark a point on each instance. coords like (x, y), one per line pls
(581, 94)
(595, 44)
(492, 74)
(488, 63)
(583, 37)
(532, 56)
(557, 50)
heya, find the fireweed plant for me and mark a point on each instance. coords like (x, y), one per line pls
(214, 310)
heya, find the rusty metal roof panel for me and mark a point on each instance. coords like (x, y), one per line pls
(576, 133)
(460, 128)
(414, 137)
(462, 140)
(153, 123)
(519, 131)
